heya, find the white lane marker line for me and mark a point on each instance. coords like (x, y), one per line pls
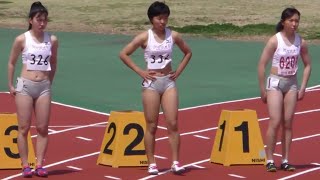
(160, 157)
(112, 177)
(75, 168)
(300, 173)
(197, 166)
(202, 137)
(311, 88)
(96, 153)
(51, 130)
(275, 154)
(237, 176)
(83, 138)
(164, 172)
(161, 127)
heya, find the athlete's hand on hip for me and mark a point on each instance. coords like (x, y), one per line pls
(173, 75)
(147, 75)
(301, 94)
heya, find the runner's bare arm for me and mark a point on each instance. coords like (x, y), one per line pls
(16, 49)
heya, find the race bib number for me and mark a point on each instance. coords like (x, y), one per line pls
(158, 61)
(288, 65)
(38, 63)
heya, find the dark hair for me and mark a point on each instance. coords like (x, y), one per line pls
(286, 13)
(36, 8)
(157, 8)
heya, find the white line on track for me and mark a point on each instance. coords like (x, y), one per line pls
(239, 100)
(160, 157)
(75, 168)
(57, 163)
(158, 139)
(300, 138)
(275, 154)
(80, 108)
(237, 176)
(51, 130)
(311, 88)
(202, 137)
(74, 107)
(74, 128)
(300, 173)
(197, 166)
(83, 138)
(164, 172)
(71, 126)
(112, 177)
(92, 125)
(161, 127)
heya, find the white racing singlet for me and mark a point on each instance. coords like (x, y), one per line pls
(37, 55)
(158, 55)
(286, 57)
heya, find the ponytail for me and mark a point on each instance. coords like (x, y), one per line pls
(279, 26)
(36, 8)
(286, 13)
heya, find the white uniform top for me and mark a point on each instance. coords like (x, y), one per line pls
(37, 55)
(286, 57)
(158, 55)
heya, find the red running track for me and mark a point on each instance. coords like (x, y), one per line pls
(70, 157)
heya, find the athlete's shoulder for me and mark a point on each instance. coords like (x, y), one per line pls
(174, 33)
(141, 37)
(176, 36)
(143, 34)
(53, 38)
(273, 41)
(20, 38)
(303, 42)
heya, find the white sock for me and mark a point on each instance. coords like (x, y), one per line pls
(175, 162)
(270, 161)
(152, 164)
(284, 161)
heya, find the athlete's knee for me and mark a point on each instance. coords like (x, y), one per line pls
(172, 126)
(42, 130)
(24, 130)
(287, 125)
(274, 123)
(151, 127)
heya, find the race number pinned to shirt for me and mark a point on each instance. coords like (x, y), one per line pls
(288, 65)
(38, 62)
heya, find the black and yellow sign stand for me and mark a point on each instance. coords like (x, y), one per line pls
(238, 139)
(123, 142)
(9, 154)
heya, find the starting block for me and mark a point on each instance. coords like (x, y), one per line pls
(9, 154)
(123, 142)
(238, 139)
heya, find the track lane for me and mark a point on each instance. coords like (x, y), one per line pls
(204, 117)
